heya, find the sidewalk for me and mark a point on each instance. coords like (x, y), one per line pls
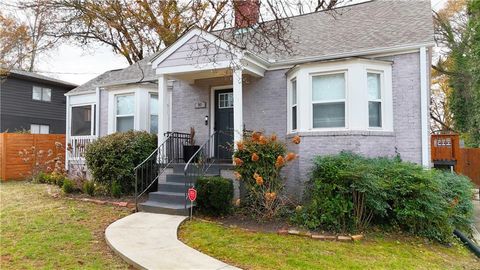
(149, 241)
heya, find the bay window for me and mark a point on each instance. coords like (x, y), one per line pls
(125, 111)
(153, 113)
(340, 96)
(328, 98)
(374, 99)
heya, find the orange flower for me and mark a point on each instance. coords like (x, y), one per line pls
(280, 162)
(255, 157)
(270, 196)
(256, 136)
(237, 175)
(258, 179)
(262, 140)
(290, 156)
(238, 161)
(296, 139)
(240, 145)
(273, 137)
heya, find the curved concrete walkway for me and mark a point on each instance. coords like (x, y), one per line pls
(149, 241)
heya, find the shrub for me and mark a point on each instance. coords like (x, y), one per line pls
(111, 159)
(57, 179)
(68, 186)
(116, 189)
(42, 177)
(258, 161)
(89, 188)
(347, 192)
(215, 195)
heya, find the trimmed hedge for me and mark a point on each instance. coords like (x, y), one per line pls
(348, 192)
(214, 195)
(111, 159)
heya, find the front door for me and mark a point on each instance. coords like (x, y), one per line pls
(224, 124)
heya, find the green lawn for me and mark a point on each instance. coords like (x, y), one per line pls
(42, 232)
(251, 250)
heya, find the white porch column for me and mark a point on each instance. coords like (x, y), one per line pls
(237, 106)
(163, 98)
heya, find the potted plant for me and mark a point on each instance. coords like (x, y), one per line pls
(190, 149)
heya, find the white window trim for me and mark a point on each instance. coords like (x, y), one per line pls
(42, 90)
(382, 94)
(116, 116)
(149, 111)
(356, 94)
(291, 105)
(92, 124)
(39, 128)
(345, 76)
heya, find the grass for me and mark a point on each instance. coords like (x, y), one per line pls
(42, 232)
(253, 250)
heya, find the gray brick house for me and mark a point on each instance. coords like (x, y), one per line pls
(358, 81)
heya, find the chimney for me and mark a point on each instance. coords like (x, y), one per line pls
(247, 13)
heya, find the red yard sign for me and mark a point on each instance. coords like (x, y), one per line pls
(192, 194)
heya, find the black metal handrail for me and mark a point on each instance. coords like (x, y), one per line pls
(168, 152)
(200, 162)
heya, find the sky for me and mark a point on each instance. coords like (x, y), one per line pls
(75, 64)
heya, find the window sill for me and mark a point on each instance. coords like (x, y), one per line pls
(319, 133)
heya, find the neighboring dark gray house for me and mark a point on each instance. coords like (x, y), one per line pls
(29, 101)
(357, 81)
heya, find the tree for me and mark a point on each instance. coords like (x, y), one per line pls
(138, 28)
(457, 31)
(24, 34)
(14, 42)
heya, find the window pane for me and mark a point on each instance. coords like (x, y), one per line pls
(375, 113)
(329, 115)
(125, 105)
(37, 93)
(153, 104)
(47, 94)
(328, 87)
(34, 129)
(294, 118)
(44, 129)
(81, 120)
(225, 100)
(294, 92)
(374, 86)
(153, 124)
(124, 123)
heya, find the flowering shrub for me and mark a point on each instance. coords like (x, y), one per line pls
(43, 161)
(258, 161)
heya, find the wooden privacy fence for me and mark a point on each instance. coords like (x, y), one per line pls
(446, 151)
(12, 166)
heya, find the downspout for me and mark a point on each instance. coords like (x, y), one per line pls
(97, 113)
(424, 107)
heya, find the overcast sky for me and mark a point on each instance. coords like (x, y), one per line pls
(75, 64)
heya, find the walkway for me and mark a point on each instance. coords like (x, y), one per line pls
(149, 241)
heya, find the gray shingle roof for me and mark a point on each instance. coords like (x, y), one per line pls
(369, 26)
(138, 72)
(358, 28)
(37, 76)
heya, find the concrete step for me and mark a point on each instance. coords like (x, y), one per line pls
(164, 208)
(214, 168)
(167, 197)
(180, 178)
(171, 187)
